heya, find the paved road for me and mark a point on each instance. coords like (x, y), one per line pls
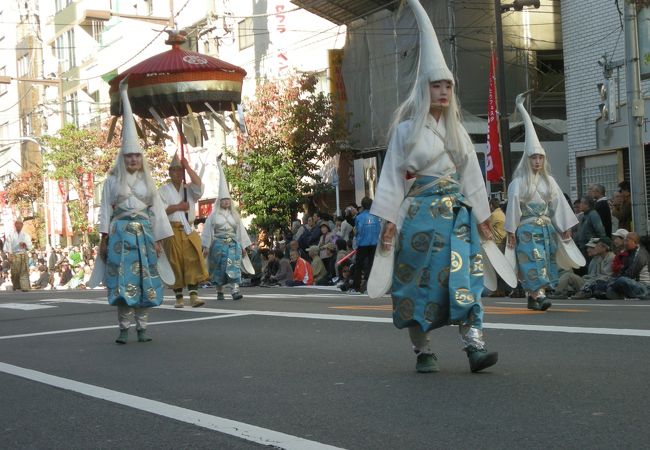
(307, 368)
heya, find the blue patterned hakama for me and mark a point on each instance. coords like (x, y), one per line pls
(224, 260)
(438, 275)
(131, 274)
(536, 248)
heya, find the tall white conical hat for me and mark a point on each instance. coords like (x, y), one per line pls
(130, 141)
(432, 65)
(175, 162)
(532, 146)
(224, 192)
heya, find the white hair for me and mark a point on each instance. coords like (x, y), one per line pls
(416, 107)
(119, 172)
(527, 189)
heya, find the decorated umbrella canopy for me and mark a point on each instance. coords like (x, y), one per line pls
(179, 82)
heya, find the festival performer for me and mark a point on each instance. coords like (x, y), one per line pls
(432, 197)
(132, 223)
(537, 211)
(224, 241)
(184, 248)
(17, 244)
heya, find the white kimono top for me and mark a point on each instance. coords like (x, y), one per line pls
(427, 157)
(13, 241)
(171, 196)
(160, 226)
(559, 210)
(222, 221)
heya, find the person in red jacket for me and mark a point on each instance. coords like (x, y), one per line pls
(303, 274)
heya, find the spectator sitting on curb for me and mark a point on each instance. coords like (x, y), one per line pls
(596, 286)
(635, 278)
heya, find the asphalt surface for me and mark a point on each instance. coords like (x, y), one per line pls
(308, 368)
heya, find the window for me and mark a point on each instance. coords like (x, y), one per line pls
(71, 109)
(61, 4)
(65, 51)
(26, 124)
(23, 66)
(245, 30)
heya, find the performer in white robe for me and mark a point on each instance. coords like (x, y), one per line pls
(431, 194)
(184, 248)
(537, 211)
(132, 222)
(17, 244)
(224, 241)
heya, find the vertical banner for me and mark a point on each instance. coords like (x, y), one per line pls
(337, 87)
(493, 164)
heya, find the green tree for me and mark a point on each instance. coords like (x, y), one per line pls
(291, 130)
(24, 192)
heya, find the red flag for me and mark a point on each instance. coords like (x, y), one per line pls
(493, 165)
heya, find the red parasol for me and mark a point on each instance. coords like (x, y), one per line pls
(178, 83)
(172, 80)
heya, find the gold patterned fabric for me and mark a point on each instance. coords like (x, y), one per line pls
(438, 275)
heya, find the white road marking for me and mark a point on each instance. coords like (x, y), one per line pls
(106, 327)
(561, 329)
(240, 430)
(24, 306)
(636, 303)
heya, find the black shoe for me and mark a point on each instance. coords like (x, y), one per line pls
(480, 359)
(544, 303)
(533, 303)
(237, 295)
(220, 296)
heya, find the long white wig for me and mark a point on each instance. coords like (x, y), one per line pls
(416, 107)
(527, 186)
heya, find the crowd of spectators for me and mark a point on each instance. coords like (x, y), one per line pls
(59, 268)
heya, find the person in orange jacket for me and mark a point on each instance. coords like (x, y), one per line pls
(303, 274)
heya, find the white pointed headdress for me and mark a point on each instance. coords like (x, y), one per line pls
(130, 141)
(532, 145)
(224, 192)
(175, 162)
(432, 65)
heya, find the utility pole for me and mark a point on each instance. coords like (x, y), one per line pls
(635, 118)
(504, 122)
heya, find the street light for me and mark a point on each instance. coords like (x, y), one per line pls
(517, 5)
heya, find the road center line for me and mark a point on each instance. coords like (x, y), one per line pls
(240, 430)
(228, 313)
(106, 327)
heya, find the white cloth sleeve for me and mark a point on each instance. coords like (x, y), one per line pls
(564, 218)
(106, 206)
(513, 211)
(160, 225)
(472, 186)
(391, 188)
(206, 234)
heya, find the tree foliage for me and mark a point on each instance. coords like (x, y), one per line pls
(292, 129)
(25, 192)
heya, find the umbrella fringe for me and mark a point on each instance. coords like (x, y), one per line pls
(111, 130)
(156, 116)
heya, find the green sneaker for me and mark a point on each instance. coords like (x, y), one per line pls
(123, 337)
(142, 336)
(236, 295)
(220, 296)
(427, 363)
(480, 359)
